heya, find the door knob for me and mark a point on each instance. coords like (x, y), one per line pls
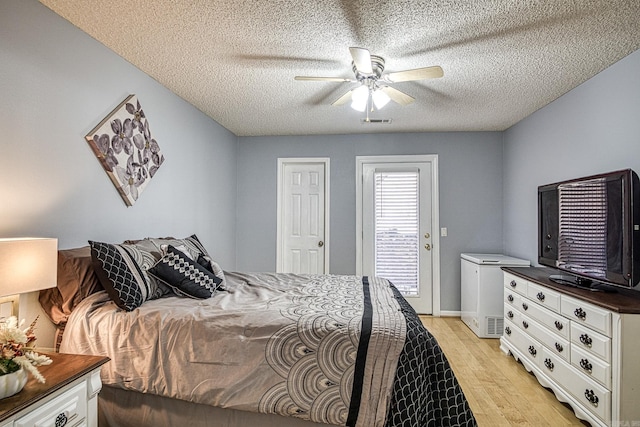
(427, 247)
(427, 235)
(320, 243)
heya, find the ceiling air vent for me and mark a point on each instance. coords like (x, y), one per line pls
(381, 121)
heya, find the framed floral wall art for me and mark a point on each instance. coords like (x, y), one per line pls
(123, 144)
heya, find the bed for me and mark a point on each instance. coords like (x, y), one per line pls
(191, 343)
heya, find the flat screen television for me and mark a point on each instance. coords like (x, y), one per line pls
(589, 229)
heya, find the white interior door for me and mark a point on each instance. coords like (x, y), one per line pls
(302, 216)
(397, 223)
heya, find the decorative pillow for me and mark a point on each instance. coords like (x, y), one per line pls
(193, 245)
(76, 280)
(194, 249)
(180, 272)
(136, 241)
(212, 266)
(122, 270)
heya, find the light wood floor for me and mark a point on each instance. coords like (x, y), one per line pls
(499, 390)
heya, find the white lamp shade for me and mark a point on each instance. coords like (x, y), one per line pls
(27, 265)
(380, 98)
(359, 98)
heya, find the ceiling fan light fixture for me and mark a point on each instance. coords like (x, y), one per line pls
(380, 98)
(360, 98)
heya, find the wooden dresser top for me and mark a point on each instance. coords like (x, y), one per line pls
(623, 301)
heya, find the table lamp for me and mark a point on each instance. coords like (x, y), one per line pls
(27, 265)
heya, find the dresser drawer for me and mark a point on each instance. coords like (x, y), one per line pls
(587, 314)
(70, 406)
(553, 321)
(555, 343)
(515, 284)
(591, 366)
(593, 396)
(544, 296)
(591, 341)
(530, 348)
(513, 315)
(512, 300)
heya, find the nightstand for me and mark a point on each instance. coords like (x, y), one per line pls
(68, 398)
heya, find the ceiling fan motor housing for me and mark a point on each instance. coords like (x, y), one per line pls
(377, 65)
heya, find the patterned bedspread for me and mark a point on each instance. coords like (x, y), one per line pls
(341, 350)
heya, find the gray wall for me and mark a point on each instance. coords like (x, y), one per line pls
(470, 174)
(56, 84)
(593, 129)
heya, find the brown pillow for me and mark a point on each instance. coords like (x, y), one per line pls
(76, 281)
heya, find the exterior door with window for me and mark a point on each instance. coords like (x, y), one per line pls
(397, 228)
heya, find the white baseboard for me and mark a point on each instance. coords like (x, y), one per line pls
(444, 313)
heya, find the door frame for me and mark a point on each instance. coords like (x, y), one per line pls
(282, 161)
(435, 214)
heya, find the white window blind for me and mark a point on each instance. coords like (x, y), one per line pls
(396, 197)
(580, 247)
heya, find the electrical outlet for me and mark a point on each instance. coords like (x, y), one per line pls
(443, 232)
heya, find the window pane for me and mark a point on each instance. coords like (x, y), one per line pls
(396, 229)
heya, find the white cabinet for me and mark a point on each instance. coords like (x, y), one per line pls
(583, 345)
(481, 291)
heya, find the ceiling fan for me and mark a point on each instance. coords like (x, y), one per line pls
(374, 89)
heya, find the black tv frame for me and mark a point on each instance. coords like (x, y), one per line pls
(548, 230)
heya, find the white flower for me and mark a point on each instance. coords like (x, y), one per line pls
(37, 359)
(8, 334)
(17, 349)
(26, 364)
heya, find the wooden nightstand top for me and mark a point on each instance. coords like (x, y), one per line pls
(65, 369)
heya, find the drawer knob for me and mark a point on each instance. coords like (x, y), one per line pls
(584, 364)
(549, 364)
(559, 325)
(525, 306)
(580, 313)
(61, 420)
(525, 324)
(507, 330)
(559, 347)
(540, 297)
(532, 351)
(513, 284)
(510, 314)
(510, 298)
(586, 340)
(591, 397)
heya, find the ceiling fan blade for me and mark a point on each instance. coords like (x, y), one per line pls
(397, 96)
(417, 74)
(343, 99)
(361, 59)
(323, 79)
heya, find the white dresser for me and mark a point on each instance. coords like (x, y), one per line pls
(583, 345)
(69, 398)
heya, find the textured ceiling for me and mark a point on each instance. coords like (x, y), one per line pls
(236, 59)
